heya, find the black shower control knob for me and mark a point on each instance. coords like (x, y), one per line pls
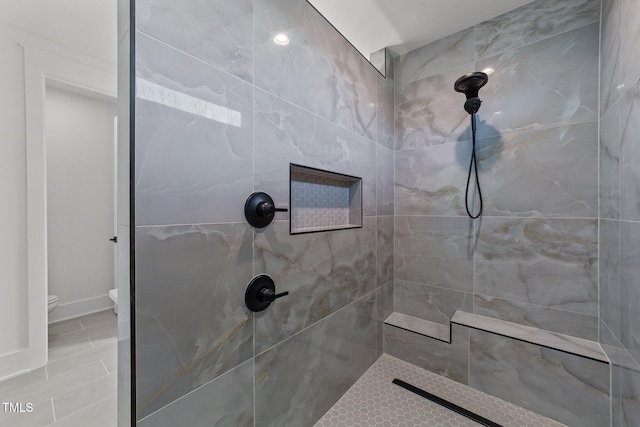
(260, 210)
(261, 292)
(267, 295)
(266, 208)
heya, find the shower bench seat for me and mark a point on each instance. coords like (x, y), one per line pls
(573, 345)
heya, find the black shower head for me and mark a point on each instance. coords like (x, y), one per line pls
(470, 84)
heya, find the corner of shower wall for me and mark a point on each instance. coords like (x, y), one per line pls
(619, 201)
(532, 259)
(221, 111)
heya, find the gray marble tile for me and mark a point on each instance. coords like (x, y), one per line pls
(564, 322)
(385, 107)
(194, 143)
(218, 33)
(547, 262)
(610, 171)
(384, 308)
(385, 159)
(535, 21)
(449, 360)
(430, 112)
(435, 58)
(429, 302)
(610, 77)
(609, 272)
(625, 381)
(420, 326)
(435, 251)
(614, 349)
(569, 389)
(311, 370)
(191, 322)
(629, 397)
(546, 173)
(225, 401)
(565, 343)
(323, 272)
(431, 180)
(629, 289)
(318, 70)
(385, 249)
(544, 84)
(288, 134)
(630, 154)
(629, 42)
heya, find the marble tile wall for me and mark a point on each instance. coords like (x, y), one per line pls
(569, 389)
(532, 258)
(619, 204)
(220, 112)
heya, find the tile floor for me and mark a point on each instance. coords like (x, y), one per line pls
(374, 401)
(78, 387)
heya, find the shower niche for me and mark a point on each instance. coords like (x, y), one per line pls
(321, 200)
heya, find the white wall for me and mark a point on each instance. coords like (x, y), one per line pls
(23, 338)
(80, 201)
(13, 206)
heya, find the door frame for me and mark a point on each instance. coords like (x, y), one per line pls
(39, 67)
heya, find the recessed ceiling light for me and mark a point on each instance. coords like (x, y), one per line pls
(488, 71)
(282, 39)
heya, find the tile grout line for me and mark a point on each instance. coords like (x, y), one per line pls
(105, 367)
(53, 410)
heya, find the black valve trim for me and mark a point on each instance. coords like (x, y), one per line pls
(259, 209)
(261, 292)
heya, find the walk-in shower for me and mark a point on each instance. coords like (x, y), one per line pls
(470, 84)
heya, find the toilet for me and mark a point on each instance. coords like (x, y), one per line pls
(52, 302)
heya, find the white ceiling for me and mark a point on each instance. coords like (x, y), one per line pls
(88, 26)
(404, 25)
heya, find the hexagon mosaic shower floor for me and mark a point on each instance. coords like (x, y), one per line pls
(374, 401)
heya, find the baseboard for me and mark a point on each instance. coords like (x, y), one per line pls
(14, 364)
(74, 309)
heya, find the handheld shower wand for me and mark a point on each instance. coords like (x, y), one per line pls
(470, 84)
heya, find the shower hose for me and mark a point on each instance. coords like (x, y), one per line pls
(473, 163)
